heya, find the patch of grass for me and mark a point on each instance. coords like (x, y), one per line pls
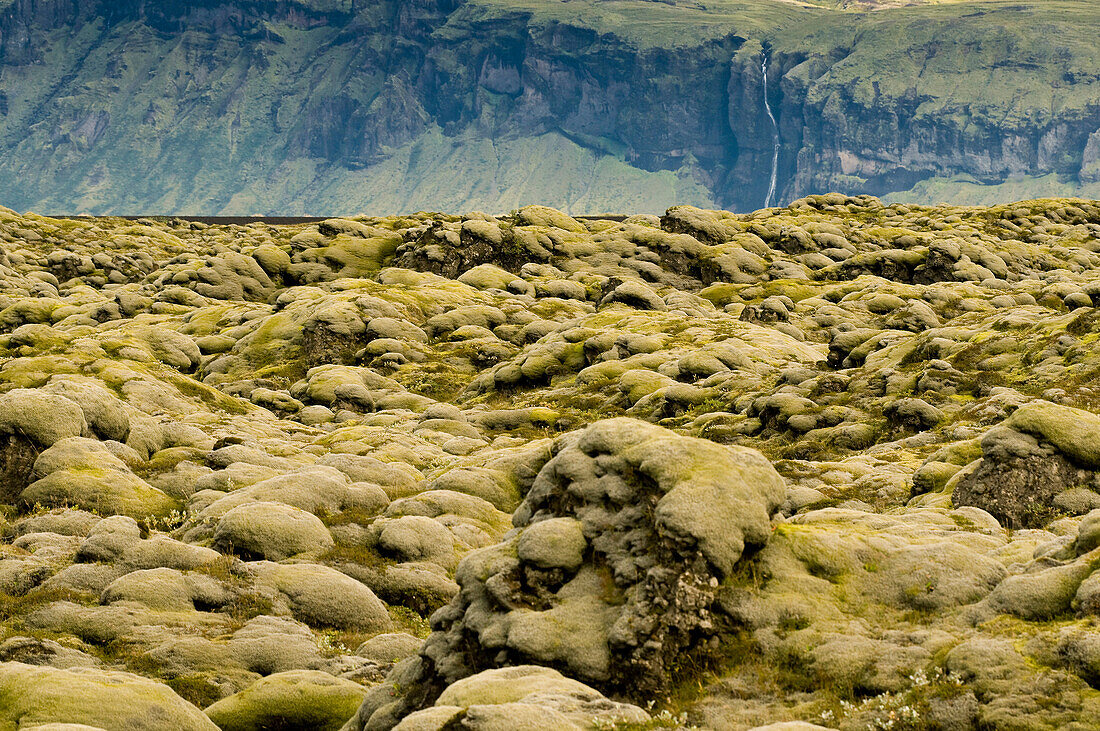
(198, 690)
(247, 604)
(611, 593)
(15, 607)
(162, 523)
(213, 398)
(356, 554)
(439, 381)
(358, 516)
(332, 643)
(220, 568)
(127, 653)
(662, 719)
(406, 620)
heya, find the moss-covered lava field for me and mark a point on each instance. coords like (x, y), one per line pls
(834, 464)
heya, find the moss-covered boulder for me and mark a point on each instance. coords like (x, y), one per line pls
(1038, 463)
(295, 700)
(269, 530)
(41, 417)
(523, 697)
(106, 491)
(35, 695)
(31, 421)
(1075, 432)
(323, 597)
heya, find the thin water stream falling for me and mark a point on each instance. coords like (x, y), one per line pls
(775, 137)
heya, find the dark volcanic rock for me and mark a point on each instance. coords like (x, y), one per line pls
(1028, 465)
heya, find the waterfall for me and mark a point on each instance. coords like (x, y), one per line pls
(775, 136)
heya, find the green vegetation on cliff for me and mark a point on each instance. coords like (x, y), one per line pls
(223, 107)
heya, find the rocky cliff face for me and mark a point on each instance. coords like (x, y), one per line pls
(326, 105)
(985, 100)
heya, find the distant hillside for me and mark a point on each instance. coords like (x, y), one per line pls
(340, 106)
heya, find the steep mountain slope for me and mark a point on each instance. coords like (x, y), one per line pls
(338, 106)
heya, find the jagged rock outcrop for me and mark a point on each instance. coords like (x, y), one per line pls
(612, 572)
(1040, 462)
